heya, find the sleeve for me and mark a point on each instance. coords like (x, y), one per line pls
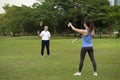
(41, 34)
(49, 34)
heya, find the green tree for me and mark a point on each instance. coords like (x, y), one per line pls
(57, 13)
(2, 25)
(19, 19)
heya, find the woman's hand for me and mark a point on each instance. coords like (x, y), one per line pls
(82, 31)
(69, 24)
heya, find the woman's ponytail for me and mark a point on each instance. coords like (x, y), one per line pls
(91, 27)
(89, 24)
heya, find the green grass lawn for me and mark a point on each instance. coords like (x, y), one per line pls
(20, 60)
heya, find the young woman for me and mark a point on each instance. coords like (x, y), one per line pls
(87, 46)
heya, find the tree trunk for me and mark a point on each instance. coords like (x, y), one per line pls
(55, 32)
(110, 33)
(14, 34)
(4, 34)
(100, 33)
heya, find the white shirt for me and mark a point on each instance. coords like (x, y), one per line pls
(45, 35)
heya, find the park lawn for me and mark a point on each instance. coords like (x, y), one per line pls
(20, 59)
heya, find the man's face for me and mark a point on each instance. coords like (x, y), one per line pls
(46, 28)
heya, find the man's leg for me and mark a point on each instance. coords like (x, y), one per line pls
(43, 46)
(47, 47)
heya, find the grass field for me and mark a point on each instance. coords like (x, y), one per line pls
(20, 60)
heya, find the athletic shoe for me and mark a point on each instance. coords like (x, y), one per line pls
(95, 73)
(77, 74)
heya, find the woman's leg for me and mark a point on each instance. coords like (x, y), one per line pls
(91, 55)
(82, 57)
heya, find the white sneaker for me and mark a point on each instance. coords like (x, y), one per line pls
(95, 74)
(77, 74)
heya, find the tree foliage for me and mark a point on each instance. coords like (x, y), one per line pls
(57, 13)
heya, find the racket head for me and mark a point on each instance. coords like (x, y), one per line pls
(41, 23)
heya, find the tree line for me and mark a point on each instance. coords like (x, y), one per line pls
(56, 14)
